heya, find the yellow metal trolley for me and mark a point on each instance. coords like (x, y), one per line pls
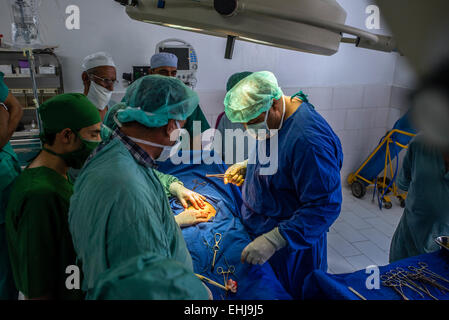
(383, 185)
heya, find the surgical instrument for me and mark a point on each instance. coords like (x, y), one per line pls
(216, 248)
(356, 293)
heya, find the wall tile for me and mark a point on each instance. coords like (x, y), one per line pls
(321, 98)
(348, 97)
(381, 117)
(376, 96)
(335, 118)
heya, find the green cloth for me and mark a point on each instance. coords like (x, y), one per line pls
(197, 115)
(38, 237)
(9, 170)
(120, 210)
(252, 96)
(166, 180)
(69, 110)
(426, 214)
(153, 100)
(4, 90)
(148, 277)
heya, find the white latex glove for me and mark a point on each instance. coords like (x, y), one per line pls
(185, 195)
(189, 218)
(263, 247)
(236, 173)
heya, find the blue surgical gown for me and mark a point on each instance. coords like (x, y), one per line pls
(9, 170)
(120, 210)
(426, 214)
(303, 198)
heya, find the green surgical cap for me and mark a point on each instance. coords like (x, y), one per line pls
(235, 78)
(252, 96)
(148, 277)
(153, 100)
(69, 110)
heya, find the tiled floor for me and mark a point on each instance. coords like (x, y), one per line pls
(362, 234)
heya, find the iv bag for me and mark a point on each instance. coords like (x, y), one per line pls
(25, 23)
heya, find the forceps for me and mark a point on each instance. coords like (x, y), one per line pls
(216, 247)
(425, 269)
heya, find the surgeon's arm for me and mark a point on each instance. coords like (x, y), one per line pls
(166, 180)
(9, 120)
(318, 187)
(405, 175)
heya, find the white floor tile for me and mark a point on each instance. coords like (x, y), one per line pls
(341, 246)
(378, 238)
(373, 252)
(362, 234)
(348, 232)
(337, 263)
(355, 221)
(381, 225)
(360, 262)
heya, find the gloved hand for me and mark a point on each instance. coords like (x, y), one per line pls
(184, 195)
(4, 91)
(263, 247)
(236, 173)
(189, 218)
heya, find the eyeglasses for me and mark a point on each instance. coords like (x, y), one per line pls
(106, 81)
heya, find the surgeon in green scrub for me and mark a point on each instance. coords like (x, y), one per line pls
(10, 114)
(120, 208)
(425, 175)
(37, 230)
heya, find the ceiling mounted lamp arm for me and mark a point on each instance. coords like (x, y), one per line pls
(364, 38)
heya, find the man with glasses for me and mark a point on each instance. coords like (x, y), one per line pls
(99, 78)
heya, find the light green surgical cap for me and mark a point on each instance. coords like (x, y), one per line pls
(148, 277)
(69, 110)
(252, 96)
(154, 100)
(235, 78)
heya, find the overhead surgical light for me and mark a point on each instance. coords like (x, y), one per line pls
(314, 26)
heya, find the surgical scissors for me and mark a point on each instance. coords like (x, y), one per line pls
(231, 270)
(425, 269)
(407, 277)
(389, 282)
(216, 247)
(393, 280)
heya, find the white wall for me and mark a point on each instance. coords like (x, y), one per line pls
(352, 89)
(105, 26)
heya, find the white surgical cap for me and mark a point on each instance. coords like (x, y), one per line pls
(97, 60)
(164, 59)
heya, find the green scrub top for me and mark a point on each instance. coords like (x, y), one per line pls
(9, 170)
(38, 237)
(120, 210)
(426, 214)
(148, 277)
(197, 115)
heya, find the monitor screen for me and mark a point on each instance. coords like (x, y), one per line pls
(182, 54)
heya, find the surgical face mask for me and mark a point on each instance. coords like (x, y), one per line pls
(253, 129)
(167, 151)
(77, 158)
(99, 96)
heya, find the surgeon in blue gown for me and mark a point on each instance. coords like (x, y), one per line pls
(288, 212)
